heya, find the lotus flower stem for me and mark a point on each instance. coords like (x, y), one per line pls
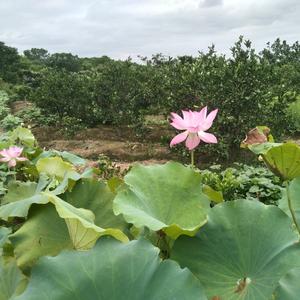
(192, 158)
(291, 208)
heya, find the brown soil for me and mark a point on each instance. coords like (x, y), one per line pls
(20, 105)
(119, 143)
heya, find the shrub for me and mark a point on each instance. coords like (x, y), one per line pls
(244, 182)
(10, 122)
(293, 114)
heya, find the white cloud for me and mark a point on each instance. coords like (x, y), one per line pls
(122, 28)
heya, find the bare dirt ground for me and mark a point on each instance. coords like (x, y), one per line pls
(119, 143)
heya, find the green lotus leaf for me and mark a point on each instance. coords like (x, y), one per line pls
(294, 195)
(4, 232)
(70, 157)
(262, 148)
(23, 135)
(289, 288)
(44, 233)
(80, 221)
(165, 197)
(83, 231)
(96, 196)
(111, 270)
(213, 195)
(20, 197)
(282, 159)
(242, 251)
(20, 208)
(55, 167)
(18, 190)
(12, 281)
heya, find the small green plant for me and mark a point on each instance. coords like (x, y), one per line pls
(10, 122)
(31, 115)
(108, 168)
(69, 126)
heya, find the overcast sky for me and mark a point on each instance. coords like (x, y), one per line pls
(122, 28)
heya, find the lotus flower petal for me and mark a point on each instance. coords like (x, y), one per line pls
(179, 138)
(192, 141)
(207, 137)
(12, 163)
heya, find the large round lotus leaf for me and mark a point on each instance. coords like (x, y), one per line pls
(12, 281)
(283, 159)
(242, 251)
(289, 287)
(44, 233)
(167, 197)
(113, 271)
(96, 196)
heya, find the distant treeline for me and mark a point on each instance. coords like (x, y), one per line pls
(248, 87)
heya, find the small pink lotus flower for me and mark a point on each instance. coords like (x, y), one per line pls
(195, 125)
(12, 155)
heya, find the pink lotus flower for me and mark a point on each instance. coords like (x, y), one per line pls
(194, 124)
(12, 155)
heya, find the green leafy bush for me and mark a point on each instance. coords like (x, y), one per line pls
(31, 115)
(244, 182)
(293, 113)
(10, 122)
(7, 120)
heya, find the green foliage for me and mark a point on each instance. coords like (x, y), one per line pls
(158, 207)
(10, 64)
(4, 109)
(7, 120)
(293, 114)
(10, 122)
(232, 254)
(63, 61)
(38, 55)
(288, 288)
(108, 168)
(31, 116)
(244, 182)
(282, 159)
(69, 126)
(110, 278)
(12, 281)
(54, 204)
